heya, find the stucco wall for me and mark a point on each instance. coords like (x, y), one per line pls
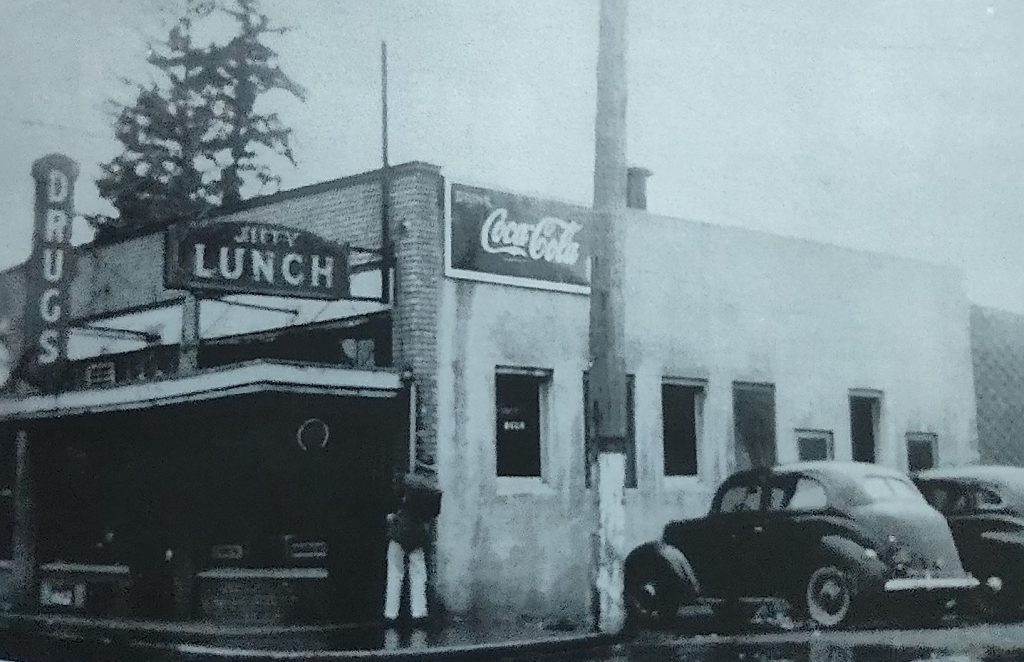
(703, 302)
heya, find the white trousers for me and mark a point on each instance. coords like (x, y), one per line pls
(417, 582)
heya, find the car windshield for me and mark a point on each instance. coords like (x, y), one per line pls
(889, 488)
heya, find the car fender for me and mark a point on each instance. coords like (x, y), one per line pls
(867, 570)
(667, 557)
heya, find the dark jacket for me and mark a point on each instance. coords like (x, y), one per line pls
(408, 530)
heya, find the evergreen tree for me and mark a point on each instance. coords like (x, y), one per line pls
(193, 139)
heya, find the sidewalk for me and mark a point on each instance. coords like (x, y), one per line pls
(151, 640)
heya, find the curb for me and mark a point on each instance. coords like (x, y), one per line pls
(523, 648)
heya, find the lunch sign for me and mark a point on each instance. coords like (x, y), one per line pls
(255, 258)
(511, 239)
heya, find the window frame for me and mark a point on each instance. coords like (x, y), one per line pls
(700, 388)
(531, 483)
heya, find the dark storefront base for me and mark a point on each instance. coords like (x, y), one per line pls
(214, 510)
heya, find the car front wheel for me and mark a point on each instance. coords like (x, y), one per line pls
(828, 598)
(653, 586)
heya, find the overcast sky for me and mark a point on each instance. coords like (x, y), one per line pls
(887, 125)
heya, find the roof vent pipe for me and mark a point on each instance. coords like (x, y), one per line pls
(636, 187)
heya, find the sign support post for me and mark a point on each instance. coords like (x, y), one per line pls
(26, 567)
(188, 348)
(606, 404)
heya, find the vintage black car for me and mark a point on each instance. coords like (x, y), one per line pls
(828, 537)
(984, 506)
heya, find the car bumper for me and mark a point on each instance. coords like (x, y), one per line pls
(930, 584)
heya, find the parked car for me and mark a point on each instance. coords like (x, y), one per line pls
(828, 537)
(984, 506)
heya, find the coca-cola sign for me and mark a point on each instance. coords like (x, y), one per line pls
(512, 239)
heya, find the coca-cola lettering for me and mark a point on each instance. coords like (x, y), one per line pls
(509, 239)
(550, 239)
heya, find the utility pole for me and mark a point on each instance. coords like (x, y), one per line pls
(606, 404)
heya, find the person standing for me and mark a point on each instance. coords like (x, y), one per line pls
(408, 533)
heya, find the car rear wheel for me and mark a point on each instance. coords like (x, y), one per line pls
(828, 598)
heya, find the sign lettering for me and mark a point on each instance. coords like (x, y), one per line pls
(50, 270)
(256, 258)
(502, 237)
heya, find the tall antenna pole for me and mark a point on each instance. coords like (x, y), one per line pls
(384, 103)
(606, 404)
(387, 252)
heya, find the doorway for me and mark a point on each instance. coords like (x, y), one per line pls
(753, 407)
(864, 416)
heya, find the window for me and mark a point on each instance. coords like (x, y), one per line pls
(741, 498)
(680, 415)
(815, 445)
(921, 450)
(518, 399)
(590, 454)
(809, 494)
(797, 493)
(986, 499)
(754, 424)
(941, 496)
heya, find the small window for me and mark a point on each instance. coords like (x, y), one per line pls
(921, 450)
(680, 416)
(814, 445)
(518, 433)
(100, 374)
(740, 498)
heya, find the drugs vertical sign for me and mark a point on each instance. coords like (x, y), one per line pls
(50, 271)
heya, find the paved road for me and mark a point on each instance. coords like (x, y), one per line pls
(970, 643)
(952, 643)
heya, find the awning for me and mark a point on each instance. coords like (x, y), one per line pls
(238, 379)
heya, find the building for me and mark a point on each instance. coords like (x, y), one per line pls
(997, 343)
(465, 358)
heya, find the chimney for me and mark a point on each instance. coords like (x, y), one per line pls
(636, 187)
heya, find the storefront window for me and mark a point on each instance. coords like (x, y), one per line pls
(518, 433)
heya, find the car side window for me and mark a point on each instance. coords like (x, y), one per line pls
(986, 499)
(740, 498)
(939, 496)
(808, 494)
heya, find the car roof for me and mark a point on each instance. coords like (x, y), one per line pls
(838, 469)
(997, 473)
(843, 480)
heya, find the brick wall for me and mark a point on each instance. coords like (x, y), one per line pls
(418, 237)
(997, 348)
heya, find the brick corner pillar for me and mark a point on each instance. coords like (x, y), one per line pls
(26, 566)
(417, 231)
